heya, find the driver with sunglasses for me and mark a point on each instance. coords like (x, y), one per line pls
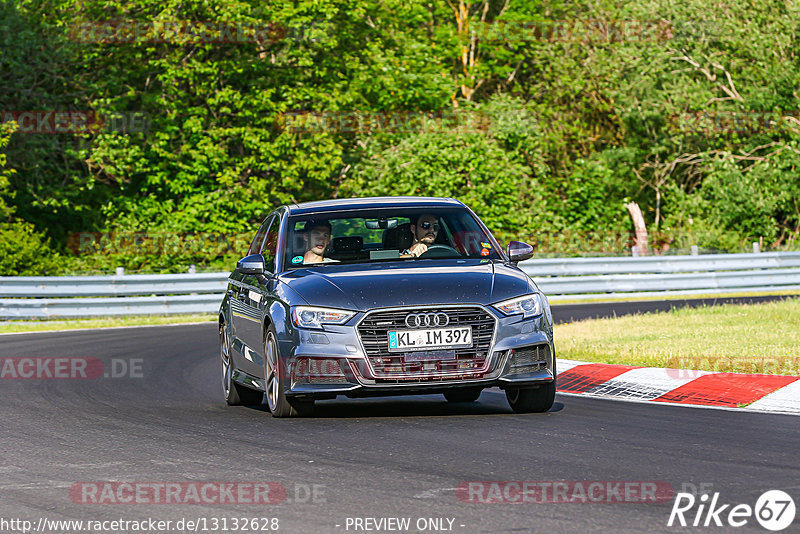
(424, 233)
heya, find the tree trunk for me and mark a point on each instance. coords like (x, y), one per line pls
(658, 208)
(640, 243)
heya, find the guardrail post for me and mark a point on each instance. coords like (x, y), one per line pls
(756, 247)
(120, 271)
(695, 250)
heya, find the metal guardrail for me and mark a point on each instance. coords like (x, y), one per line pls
(559, 278)
(36, 297)
(612, 277)
(102, 307)
(111, 286)
(659, 264)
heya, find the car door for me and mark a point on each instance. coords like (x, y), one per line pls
(247, 309)
(261, 291)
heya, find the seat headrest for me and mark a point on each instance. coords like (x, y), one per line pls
(399, 238)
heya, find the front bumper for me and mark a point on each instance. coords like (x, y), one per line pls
(326, 363)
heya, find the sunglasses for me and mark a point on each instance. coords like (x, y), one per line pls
(428, 225)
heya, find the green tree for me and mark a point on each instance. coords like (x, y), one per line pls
(23, 251)
(589, 105)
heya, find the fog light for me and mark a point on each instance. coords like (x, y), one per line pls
(313, 337)
(529, 359)
(318, 371)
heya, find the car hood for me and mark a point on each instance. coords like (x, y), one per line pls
(409, 283)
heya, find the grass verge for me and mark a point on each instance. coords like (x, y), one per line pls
(101, 322)
(738, 338)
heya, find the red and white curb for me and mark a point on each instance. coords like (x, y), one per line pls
(765, 393)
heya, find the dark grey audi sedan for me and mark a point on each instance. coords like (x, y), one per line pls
(383, 296)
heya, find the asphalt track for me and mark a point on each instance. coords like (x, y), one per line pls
(392, 457)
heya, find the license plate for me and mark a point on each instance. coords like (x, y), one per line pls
(435, 338)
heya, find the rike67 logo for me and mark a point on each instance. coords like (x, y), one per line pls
(774, 510)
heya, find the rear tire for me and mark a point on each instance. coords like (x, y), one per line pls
(235, 394)
(532, 400)
(463, 395)
(275, 377)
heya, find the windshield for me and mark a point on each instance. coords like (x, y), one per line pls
(366, 236)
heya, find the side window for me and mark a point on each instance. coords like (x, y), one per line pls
(255, 246)
(270, 248)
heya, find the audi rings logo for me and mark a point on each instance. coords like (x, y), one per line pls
(418, 320)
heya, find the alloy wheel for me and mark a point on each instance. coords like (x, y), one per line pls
(273, 383)
(225, 359)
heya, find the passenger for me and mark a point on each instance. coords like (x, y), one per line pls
(318, 237)
(424, 232)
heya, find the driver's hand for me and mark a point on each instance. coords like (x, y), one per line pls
(418, 249)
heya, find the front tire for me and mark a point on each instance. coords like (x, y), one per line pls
(532, 400)
(235, 394)
(275, 380)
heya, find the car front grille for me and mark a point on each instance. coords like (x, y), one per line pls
(530, 359)
(464, 363)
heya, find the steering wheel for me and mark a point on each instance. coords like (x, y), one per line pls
(439, 251)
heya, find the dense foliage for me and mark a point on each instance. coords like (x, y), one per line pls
(546, 117)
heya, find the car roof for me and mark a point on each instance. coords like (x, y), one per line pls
(343, 204)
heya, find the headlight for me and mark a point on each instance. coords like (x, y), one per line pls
(310, 317)
(527, 305)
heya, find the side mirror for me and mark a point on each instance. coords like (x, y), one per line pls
(518, 251)
(252, 264)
